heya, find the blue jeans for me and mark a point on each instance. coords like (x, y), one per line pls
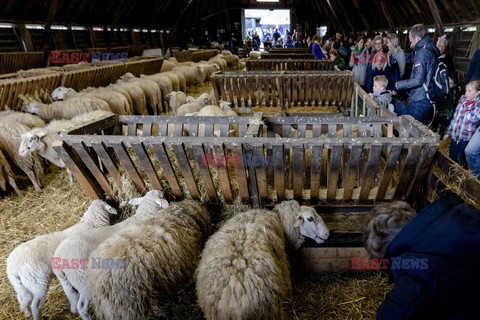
(457, 152)
(420, 110)
(472, 153)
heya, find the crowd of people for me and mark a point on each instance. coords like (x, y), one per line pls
(379, 66)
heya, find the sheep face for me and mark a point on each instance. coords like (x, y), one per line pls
(61, 92)
(225, 106)
(311, 225)
(31, 142)
(152, 194)
(31, 108)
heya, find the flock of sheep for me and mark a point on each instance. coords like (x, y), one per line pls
(26, 137)
(242, 273)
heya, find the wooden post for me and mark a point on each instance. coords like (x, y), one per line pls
(25, 37)
(71, 37)
(436, 16)
(92, 38)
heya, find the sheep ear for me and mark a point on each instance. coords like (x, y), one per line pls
(135, 201)
(40, 134)
(162, 203)
(299, 222)
(110, 209)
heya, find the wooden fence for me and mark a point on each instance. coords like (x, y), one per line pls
(287, 90)
(334, 160)
(285, 56)
(14, 61)
(285, 65)
(195, 55)
(289, 50)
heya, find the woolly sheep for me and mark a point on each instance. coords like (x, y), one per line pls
(193, 75)
(139, 101)
(81, 246)
(66, 109)
(173, 79)
(165, 85)
(61, 92)
(226, 107)
(29, 266)
(116, 101)
(253, 55)
(383, 224)
(232, 61)
(181, 79)
(6, 174)
(167, 66)
(31, 165)
(225, 53)
(27, 119)
(219, 62)
(152, 92)
(188, 108)
(176, 99)
(162, 255)
(244, 271)
(209, 69)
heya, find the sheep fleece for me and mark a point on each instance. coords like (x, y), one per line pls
(244, 272)
(162, 255)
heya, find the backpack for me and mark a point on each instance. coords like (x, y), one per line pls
(440, 84)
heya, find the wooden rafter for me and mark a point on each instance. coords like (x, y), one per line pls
(161, 6)
(386, 13)
(449, 11)
(345, 16)
(476, 7)
(52, 11)
(436, 16)
(364, 19)
(189, 3)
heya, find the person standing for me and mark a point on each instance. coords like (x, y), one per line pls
(473, 71)
(359, 62)
(446, 58)
(424, 65)
(464, 122)
(396, 52)
(316, 47)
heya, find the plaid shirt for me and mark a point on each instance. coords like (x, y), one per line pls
(465, 120)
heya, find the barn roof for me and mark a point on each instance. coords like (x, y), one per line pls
(346, 15)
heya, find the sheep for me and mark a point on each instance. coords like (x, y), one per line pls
(152, 92)
(164, 84)
(181, 79)
(383, 224)
(81, 245)
(40, 140)
(31, 165)
(209, 69)
(29, 266)
(27, 119)
(254, 55)
(188, 108)
(139, 101)
(176, 99)
(116, 101)
(162, 255)
(226, 53)
(219, 61)
(173, 79)
(61, 92)
(232, 61)
(6, 174)
(66, 109)
(244, 271)
(167, 66)
(226, 107)
(193, 75)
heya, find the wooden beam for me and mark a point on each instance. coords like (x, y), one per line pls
(436, 16)
(467, 16)
(25, 36)
(364, 19)
(417, 8)
(450, 12)
(387, 15)
(335, 16)
(159, 11)
(476, 8)
(345, 16)
(182, 12)
(48, 23)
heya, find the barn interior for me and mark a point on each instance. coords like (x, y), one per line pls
(366, 154)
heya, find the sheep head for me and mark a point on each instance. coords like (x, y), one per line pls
(311, 225)
(31, 142)
(225, 106)
(155, 195)
(31, 107)
(62, 93)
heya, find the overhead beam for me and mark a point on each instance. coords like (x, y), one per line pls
(345, 16)
(450, 12)
(476, 8)
(48, 23)
(436, 16)
(387, 15)
(364, 19)
(182, 12)
(161, 6)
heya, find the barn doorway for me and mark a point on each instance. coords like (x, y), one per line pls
(264, 22)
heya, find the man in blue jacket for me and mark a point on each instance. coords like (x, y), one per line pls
(434, 262)
(423, 69)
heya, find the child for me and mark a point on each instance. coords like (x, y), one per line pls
(380, 94)
(380, 67)
(338, 62)
(464, 123)
(445, 108)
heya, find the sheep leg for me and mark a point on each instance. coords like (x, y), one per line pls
(82, 307)
(31, 176)
(13, 184)
(24, 296)
(70, 177)
(70, 292)
(37, 304)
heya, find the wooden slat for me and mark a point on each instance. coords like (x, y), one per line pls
(199, 151)
(147, 165)
(406, 171)
(351, 175)
(223, 176)
(392, 160)
(129, 166)
(252, 177)
(423, 166)
(112, 169)
(261, 174)
(316, 170)
(334, 171)
(370, 170)
(298, 170)
(279, 177)
(240, 172)
(168, 171)
(184, 164)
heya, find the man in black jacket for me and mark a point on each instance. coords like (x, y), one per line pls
(434, 262)
(424, 65)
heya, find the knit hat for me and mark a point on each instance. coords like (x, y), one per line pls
(380, 57)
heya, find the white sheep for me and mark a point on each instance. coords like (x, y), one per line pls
(219, 61)
(152, 92)
(61, 92)
(27, 119)
(210, 68)
(181, 79)
(116, 100)
(226, 107)
(162, 255)
(173, 79)
(232, 61)
(176, 99)
(29, 266)
(244, 271)
(188, 108)
(139, 101)
(66, 109)
(254, 55)
(167, 66)
(165, 85)
(81, 246)
(9, 144)
(40, 140)
(6, 174)
(193, 74)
